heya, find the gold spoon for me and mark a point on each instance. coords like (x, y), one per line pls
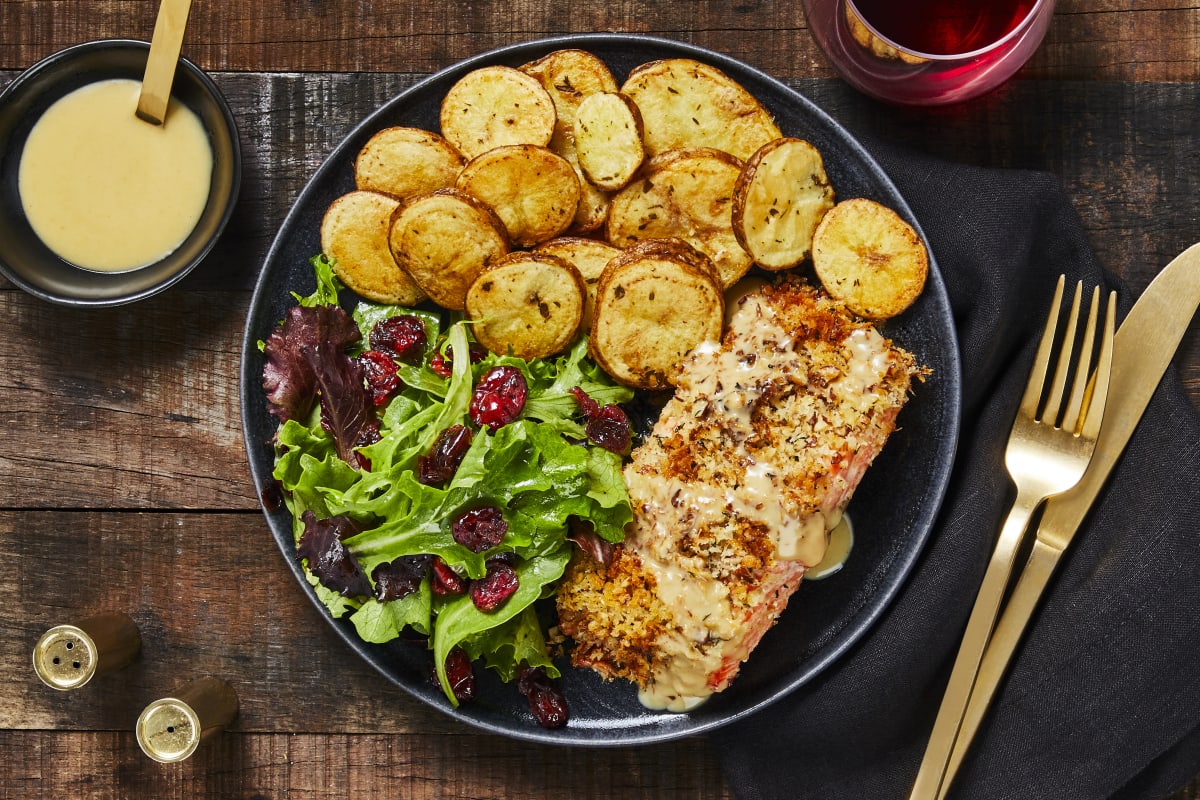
(164, 56)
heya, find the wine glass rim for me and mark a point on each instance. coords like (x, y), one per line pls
(1017, 30)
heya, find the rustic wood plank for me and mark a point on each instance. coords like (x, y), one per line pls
(123, 410)
(1143, 41)
(109, 765)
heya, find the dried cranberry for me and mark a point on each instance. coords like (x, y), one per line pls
(546, 702)
(479, 528)
(607, 426)
(499, 398)
(380, 372)
(403, 336)
(459, 675)
(445, 580)
(440, 464)
(442, 364)
(587, 405)
(489, 592)
(272, 495)
(610, 429)
(369, 434)
(400, 578)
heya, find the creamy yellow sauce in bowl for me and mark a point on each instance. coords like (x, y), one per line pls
(106, 190)
(128, 209)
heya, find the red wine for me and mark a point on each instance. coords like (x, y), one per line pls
(943, 27)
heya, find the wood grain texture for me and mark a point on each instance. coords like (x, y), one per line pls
(109, 766)
(125, 484)
(1142, 40)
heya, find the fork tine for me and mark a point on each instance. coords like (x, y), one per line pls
(1041, 362)
(1083, 366)
(1098, 387)
(1054, 398)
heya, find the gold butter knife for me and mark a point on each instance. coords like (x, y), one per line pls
(1144, 346)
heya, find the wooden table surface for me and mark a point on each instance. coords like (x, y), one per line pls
(125, 478)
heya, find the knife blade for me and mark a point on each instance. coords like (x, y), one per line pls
(1145, 344)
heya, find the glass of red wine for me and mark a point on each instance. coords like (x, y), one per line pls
(927, 52)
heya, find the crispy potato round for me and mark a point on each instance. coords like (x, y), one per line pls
(533, 190)
(589, 256)
(608, 138)
(406, 161)
(569, 76)
(495, 106)
(653, 306)
(685, 194)
(444, 240)
(685, 103)
(869, 258)
(354, 234)
(778, 200)
(528, 305)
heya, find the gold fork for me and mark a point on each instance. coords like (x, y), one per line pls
(1044, 457)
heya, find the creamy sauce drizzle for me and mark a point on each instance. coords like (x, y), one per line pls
(107, 191)
(841, 542)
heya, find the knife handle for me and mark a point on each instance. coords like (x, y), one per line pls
(1034, 577)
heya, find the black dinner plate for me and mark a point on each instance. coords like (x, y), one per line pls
(893, 510)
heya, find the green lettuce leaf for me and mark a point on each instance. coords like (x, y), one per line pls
(378, 622)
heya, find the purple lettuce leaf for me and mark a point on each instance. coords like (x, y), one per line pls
(328, 558)
(289, 377)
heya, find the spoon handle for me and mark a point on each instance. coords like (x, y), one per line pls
(160, 64)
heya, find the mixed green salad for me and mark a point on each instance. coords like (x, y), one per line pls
(404, 503)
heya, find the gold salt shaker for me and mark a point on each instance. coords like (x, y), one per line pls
(68, 656)
(170, 729)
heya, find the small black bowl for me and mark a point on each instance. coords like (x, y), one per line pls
(24, 258)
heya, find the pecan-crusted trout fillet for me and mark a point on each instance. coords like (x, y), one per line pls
(734, 493)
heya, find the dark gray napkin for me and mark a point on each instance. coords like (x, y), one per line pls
(1103, 700)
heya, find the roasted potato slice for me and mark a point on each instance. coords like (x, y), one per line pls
(685, 194)
(533, 190)
(778, 200)
(589, 256)
(685, 103)
(405, 162)
(654, 304)
(529, 305)
(444, 240)
(495, 106)
(354, 234)
(869, 258)
(608, 139)
(569, 76)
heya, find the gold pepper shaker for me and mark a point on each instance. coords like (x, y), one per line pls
(68, 656)
(170, 729)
